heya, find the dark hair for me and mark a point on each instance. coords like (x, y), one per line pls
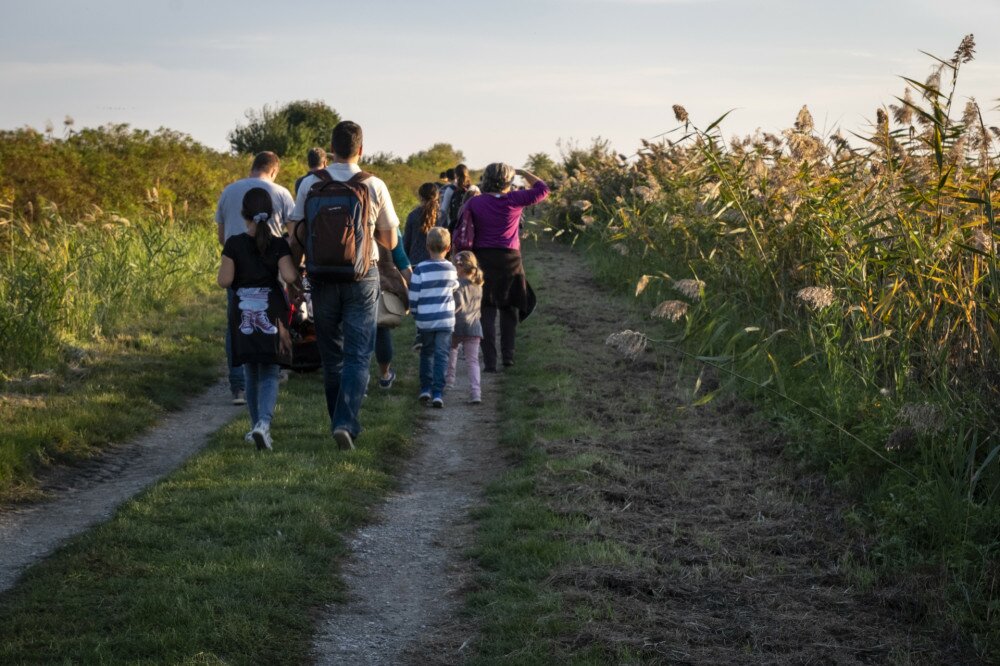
(346, 139)
(265, 161)
(443, 175)
(316, 157)
(258, 208)
(462, 179)
(428, 194)
(450, 173)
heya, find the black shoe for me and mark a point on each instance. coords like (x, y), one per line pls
(507, 362)
(491, 370)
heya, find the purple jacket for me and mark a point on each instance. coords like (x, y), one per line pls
(497, 216)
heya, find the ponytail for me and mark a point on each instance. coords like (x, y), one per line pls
(428, 206)
(263, 232)
(259, 209)
(467, 262)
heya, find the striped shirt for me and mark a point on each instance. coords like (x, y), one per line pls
(432, 295)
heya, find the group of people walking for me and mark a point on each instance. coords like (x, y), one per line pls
(336, 249)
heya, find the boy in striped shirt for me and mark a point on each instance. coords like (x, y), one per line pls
(432, 302)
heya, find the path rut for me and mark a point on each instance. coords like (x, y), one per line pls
(407, 571)
(86, 496)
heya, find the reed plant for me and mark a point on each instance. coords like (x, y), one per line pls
(852, 284)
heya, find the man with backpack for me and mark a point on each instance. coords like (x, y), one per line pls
(340, 212)
(454, 197)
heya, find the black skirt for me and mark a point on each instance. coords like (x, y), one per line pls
(504, 282)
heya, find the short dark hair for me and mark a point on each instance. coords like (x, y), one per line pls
(443, 175)
(316, 157)
(265, 161)
(346, 139)
(451, 174)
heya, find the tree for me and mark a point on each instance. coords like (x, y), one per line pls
(290, 130)
(542, 166)
(437, 158)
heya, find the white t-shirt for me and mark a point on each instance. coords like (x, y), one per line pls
(381, 214)
(229, 212)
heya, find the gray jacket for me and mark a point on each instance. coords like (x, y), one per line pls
(468, 300)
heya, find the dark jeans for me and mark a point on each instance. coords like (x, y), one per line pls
(434, 360)
(383, 345)
(236, 379)
(345, 315)
(508, 333)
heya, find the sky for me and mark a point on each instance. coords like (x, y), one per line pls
(499, 81)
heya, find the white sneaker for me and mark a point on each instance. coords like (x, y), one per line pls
(261, 435)
(248, 437)
(344, 440)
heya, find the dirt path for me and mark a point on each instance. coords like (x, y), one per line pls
(740, 558)
(405, 577)
(89, 494)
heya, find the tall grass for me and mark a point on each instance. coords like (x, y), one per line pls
(856, 278)
(64, 283)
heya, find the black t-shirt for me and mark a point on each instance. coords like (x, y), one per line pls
(252, 268)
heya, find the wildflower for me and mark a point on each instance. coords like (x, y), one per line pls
(982, 241)
(923, 417)
(628, 343)
(680, 113)
(933, 83)
(587, 219)
(970, 115)
(804, 121)
(881, 121)
(904, 113)
(582, 205)
(690, 288)
(816, 298)
(620, 248)
(672, 310)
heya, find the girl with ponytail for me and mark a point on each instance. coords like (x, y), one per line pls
(251, 265)
(419, 222)
(468, 332)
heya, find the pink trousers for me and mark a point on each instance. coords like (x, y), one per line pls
(471, 346)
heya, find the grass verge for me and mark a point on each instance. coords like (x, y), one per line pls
(225, 561)
(110, 391)
(522, 538)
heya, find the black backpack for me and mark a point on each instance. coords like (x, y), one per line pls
(338, 240)
(458, 198)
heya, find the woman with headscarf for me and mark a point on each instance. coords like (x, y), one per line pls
(496, 215)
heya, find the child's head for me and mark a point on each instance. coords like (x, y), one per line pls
(258, 209)
(468, 267)
(438, 241)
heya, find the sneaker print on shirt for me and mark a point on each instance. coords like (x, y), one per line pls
(253, 311)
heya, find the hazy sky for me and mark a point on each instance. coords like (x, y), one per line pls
(497, 80)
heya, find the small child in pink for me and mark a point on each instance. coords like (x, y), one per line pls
(468, 327)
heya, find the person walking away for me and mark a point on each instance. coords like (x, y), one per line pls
(230, 222)
(316, 159)
(394, 275)
(454, 198)
(251, 264)
(496, 215)
(432, 302)
(468, 331)
(344, 297)
(419, 222)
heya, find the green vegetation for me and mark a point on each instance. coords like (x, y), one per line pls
(854, 292)
(521, 539)
(181, 574)
(289, 131)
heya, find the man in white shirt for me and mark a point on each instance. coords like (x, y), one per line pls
(230, 222)
(345, 311)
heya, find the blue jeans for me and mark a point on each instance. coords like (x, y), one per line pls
(262, 391)
(345, 315)
(236, 382)
(383, 345)
(434, 355)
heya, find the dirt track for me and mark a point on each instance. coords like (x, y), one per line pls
(86, 495)
(743, 557)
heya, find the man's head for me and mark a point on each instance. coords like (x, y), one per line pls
(438, 241)
(443, 175)
(265, 165)
(316, 157)
(450, 175)
(347, 140)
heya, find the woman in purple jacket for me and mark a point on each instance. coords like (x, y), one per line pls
(496, 214)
